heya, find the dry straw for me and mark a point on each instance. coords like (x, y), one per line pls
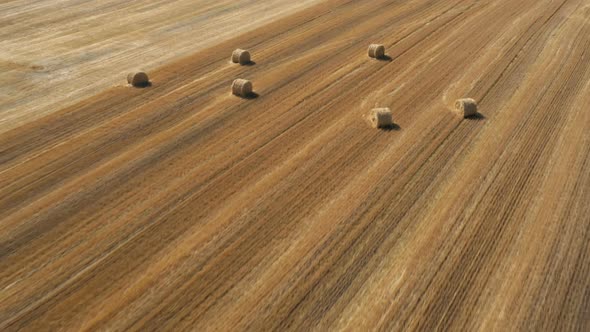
(241, 87)
(240, 56)
(376, 51)
(139, 79)
(466, 107)
(381, 118)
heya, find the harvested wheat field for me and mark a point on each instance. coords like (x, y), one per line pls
(180, 206)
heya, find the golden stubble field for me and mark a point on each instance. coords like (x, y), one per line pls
(180, 206)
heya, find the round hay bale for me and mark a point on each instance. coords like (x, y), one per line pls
(240, 56)
(138, 79)
(376, 51)
(381, 117)
(466, 107)
(241, 87)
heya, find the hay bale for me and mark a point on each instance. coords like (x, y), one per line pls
(241, 87)
(376, 51)
(138, 79)
(381, 118)
(240, 56)
(466, 107)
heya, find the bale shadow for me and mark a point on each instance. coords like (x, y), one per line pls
(143, 85)
(249, 63)
(477, 117)
(393, 127)
(251, 95)
(385, 58)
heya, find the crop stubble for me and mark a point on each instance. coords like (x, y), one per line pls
(180, 206)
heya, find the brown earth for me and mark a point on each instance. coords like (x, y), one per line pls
(180, 206)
